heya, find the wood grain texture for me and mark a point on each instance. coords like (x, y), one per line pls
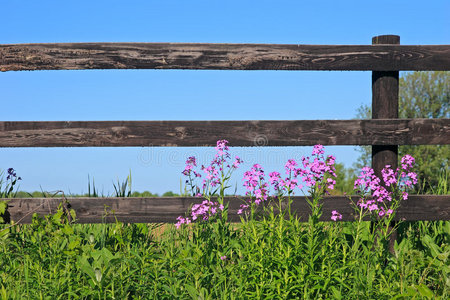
(155, 210)
(77, 56)
(238, 133)
(385, 89)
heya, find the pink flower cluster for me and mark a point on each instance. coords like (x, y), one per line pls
(335, 216)
(319, 171)
(202, 211)
(216, 173)
(255, 184)
(395, 183)
(213, 172)
(287, 185)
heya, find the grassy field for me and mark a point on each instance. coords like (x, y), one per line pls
(263, 259)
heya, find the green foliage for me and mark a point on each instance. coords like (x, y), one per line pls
(123, 189)
(269, 258)
(425, 95)
(345, 179)
(22, 194)
(3, 206)
(37, 194)
(421, 95)
(274, 256)
(143, 194)
(169, 194)
(92, 190)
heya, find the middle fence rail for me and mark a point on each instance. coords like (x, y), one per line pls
(238, 133)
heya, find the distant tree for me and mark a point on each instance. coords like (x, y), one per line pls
(345, 178)
(170, 194)
(22, 194)
(421, 95)
(143, 194)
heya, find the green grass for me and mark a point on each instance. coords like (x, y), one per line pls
(270, 258)
(264, 257)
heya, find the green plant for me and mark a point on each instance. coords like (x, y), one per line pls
(92, 191)
(123, 189)
(7, 186)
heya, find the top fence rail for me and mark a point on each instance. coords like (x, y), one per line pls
(78, 56)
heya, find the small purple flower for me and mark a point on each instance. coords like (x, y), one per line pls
(290, 166)
(243, 207)
(318, 150)
(373, 207)
(405, 196)
(335, 216)
(181, 221)
(12, 174)
(389, 176)
(222, 146)
(237, 162)
(407, 162)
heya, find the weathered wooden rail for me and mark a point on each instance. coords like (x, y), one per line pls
(77, 56)
(167, 209)
(238, 133)
(385, 58)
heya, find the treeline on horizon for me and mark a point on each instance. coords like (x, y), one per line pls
(40, 194)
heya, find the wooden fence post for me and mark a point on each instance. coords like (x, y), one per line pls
(385, 87)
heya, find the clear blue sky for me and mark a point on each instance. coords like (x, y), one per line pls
(189, 95)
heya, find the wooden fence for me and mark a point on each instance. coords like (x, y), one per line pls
(385, 58)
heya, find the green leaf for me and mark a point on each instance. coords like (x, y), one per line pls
(336, 293)
(3, 205)
(192, 291)
(107, 255)
(429, 242)
(447, 227)
(73, 244)
(67, 229)
(73, 214)
(4, 294)
(425, 291)
(84, 265)
(411, 291)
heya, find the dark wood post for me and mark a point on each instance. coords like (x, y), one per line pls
(384, 106)
(385, 88)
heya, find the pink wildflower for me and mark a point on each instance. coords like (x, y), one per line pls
(318, 150)
(395, 183)
(290, 166)
(335, 216)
